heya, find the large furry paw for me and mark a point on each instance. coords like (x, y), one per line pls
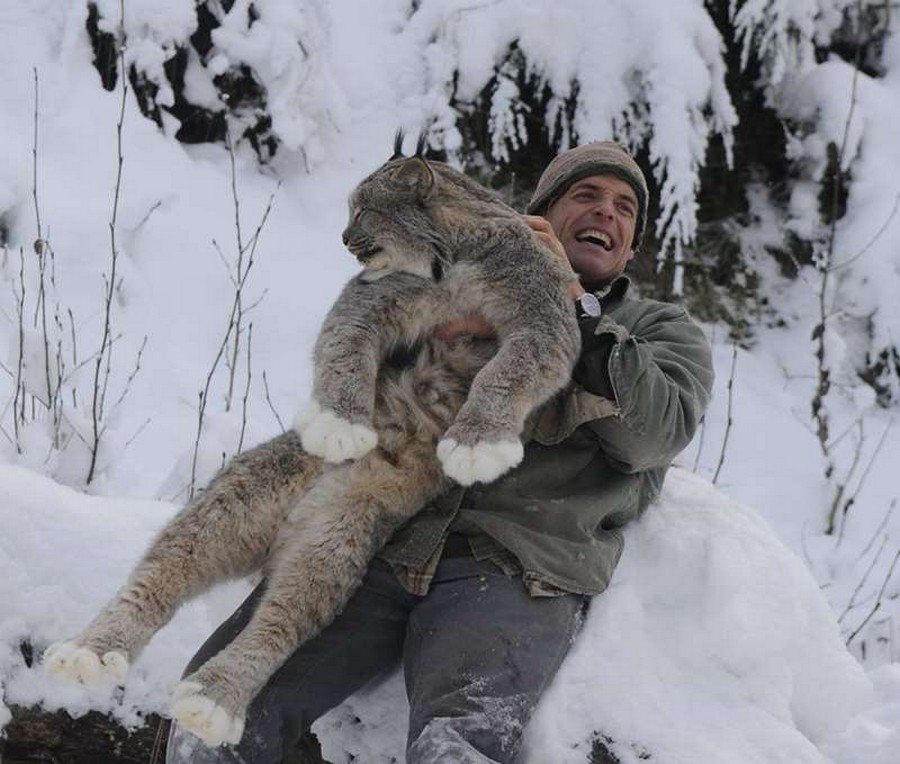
(482, 462)
(202, 716)
(82, 665)
(323, 433)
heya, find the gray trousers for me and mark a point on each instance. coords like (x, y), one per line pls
(477, 652)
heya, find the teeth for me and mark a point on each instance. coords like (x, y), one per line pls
(599, 237)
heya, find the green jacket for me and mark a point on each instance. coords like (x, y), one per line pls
(596, 457)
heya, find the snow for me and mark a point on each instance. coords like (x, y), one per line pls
(722, 636)
(712, 641)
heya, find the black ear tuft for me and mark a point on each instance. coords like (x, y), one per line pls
(398, 145)
(421, 145)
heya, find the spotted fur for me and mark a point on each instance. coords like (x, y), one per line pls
(434, 245)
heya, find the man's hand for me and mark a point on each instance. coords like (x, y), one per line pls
(544, 233)
(471, 325)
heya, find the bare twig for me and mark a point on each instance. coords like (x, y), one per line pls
(5, 433)
(862, 478)
(729, 419)
(878, 530)
(805, 547)
(34, 163)
(869, 244)
(44, 252)
(19, 398)
(246, 389)
(40, 248)
(238, 295)
(271, 406)
(841, 485)
(127, 444)
(201, 410)
(92, 357)
(99, 385)
(74, 353)
(230, 346)
(878, 600)
(146, 217)
(136, 434)
(875, 454)
(134, 372)
(851, 603)
(823, 373)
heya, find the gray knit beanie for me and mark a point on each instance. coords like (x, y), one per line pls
(599, 158)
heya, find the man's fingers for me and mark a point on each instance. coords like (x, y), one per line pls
(472, 325)
(537, 223)
(541, 228)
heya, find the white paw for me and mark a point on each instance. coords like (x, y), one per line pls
(82, 665)
(203, 717)
(482, 462)
(323, 433)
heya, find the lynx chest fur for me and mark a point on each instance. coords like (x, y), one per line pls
(436, 246)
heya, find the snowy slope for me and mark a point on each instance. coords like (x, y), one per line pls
(713, 637)
(713, 643)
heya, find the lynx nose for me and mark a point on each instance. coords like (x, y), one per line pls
(345, 237)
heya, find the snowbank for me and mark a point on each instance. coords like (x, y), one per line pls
(713, 642)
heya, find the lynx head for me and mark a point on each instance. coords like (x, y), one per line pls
(405, 215)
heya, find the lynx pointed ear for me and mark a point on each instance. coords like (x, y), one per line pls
(416, 174)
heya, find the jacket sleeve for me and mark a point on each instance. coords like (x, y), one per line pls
(656, 364)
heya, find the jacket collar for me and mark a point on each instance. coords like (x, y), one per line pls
(609, 293)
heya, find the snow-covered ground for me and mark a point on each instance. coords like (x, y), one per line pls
(721, 637)
(713, 642)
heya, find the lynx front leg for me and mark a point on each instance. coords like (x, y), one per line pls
(482, 462)
(332, 437)
(337, 422)
(484, 441)
(225, 533)
(368, 318)
(322, 553)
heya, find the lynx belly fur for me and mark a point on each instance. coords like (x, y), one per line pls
(395, 417)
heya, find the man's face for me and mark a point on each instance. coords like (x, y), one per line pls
(595, 220)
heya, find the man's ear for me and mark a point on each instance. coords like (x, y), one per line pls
(416, 174)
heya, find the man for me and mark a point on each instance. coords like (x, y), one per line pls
(480, 595)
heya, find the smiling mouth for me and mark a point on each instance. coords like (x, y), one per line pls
(597, 238)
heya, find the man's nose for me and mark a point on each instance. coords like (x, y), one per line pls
(605, 206)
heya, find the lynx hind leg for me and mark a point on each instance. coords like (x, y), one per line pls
(225, 533)
(328, 435)
(320, 558)
(81, 665)
(202, 716)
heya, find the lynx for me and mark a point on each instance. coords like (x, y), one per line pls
(396, 415)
